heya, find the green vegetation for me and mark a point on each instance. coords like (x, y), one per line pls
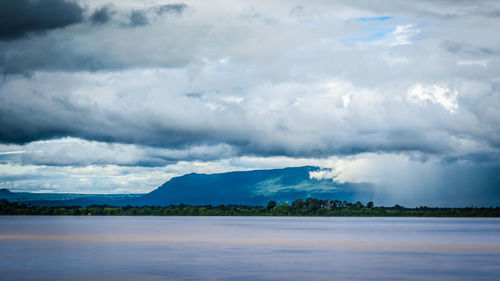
(299, 207)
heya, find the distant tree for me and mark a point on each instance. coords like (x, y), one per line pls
(398, 207)
(3, 203)
(321, 212)
(338, 203)
(332, 204)
(369, 205)
(346, 204)
(298, 204)
(271, 204)
(281, 210)
(358, 205)
(188, 211)
(313, 203)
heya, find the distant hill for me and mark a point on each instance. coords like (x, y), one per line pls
(256, 187)
(5, 192)
(65, 199)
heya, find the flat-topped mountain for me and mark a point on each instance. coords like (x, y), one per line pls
(256, 187)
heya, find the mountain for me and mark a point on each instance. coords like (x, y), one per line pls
(256, 187)
(65, 199)
(5, 192)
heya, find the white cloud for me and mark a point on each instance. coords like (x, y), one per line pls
(70, 151)
(402, 34)
(396, 60)
(325, 173)
(483, 63)
(434, 93)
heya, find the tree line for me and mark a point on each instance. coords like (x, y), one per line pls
(299, 207)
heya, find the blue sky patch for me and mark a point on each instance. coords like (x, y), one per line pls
(365, 19)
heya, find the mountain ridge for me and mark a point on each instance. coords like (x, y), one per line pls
(253, 187)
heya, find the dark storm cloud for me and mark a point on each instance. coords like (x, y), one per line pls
(495, 13)
(465, 48)
(138, 18)
(45, 117)
(176, 8)
(102, 15)
(103, 46)
(491, 157)
(19, 18)
(50, 54)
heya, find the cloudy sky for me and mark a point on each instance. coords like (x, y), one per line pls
(118, 97)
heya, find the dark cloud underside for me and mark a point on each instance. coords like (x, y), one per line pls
(176, 8)
(101, 15)
(138, 18)
(18, 18)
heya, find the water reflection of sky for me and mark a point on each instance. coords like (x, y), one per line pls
(248, 248)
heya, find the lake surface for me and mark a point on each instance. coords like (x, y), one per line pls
(248, 248)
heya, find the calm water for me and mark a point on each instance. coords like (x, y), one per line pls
(248, 248)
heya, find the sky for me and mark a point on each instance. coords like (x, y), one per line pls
(121, 96)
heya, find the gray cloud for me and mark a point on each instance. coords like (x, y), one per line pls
(22, 17)
(138, 18)
(102, 15)
(255, 122)
(78, 152)
(176, 8)
(141, 18)
(105, 46)
(467, 49)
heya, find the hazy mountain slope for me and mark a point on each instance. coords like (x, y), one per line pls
(65, 199)
(251, 188)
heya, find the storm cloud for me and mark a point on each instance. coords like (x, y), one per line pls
(138, 18)
(175, 8)
(102, 15)
(151, 86)
(22, 17)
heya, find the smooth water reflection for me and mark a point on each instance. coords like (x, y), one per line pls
(248, 248)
